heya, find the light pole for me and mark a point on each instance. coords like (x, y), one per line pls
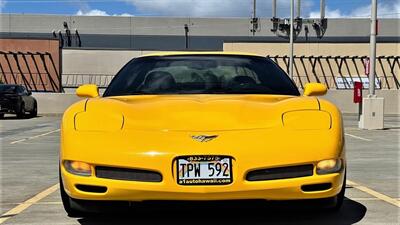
(291, 38)
(372, 57)
(372, 117)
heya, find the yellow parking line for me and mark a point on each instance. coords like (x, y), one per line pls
(374, 193)
(357, 137)
(33, 137)
(28, 203)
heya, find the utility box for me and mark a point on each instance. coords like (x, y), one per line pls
(372, 113)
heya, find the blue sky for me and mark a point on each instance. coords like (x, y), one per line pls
(195, 8)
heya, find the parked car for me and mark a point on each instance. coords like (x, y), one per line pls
(201, 126)
(16, 99)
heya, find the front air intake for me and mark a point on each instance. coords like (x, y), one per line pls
(91, 188)
(127, 174)
(280, 173)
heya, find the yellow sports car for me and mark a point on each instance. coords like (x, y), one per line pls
(201, 126)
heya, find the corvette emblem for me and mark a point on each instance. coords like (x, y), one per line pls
(204, 138)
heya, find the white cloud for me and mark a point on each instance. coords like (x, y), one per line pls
(213, 8)
(97, 12)
(93, 12)
(328, 13)
(387, 9)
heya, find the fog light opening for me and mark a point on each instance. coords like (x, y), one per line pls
(91, 188)
(316, 187)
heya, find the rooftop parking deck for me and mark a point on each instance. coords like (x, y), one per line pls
(30, 193)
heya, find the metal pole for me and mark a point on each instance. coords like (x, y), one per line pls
(186, 27)
(373, 48)
(254, 8)
(273, 8)
(291, 38)
(298, 8)
(322, 9)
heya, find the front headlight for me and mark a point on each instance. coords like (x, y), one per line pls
(78, 168)
(329, 166)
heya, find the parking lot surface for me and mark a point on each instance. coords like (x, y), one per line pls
(30, 192)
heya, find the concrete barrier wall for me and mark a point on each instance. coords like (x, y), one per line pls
(55, 103)
(168, 33)
(344, 100)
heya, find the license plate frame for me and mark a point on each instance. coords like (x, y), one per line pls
(204, 159)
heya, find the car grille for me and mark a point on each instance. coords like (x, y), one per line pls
(280, 173)
(127, 174)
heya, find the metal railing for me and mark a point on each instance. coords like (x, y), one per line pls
(75, 80)
(37, 71)
(337, 72)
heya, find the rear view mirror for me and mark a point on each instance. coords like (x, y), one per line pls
(315, 89)
(87, 91)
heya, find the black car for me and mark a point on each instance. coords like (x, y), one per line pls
(15, 99)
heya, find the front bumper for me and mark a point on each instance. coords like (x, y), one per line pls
(168, 189)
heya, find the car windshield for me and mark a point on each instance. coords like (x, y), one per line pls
(8, 88)
(201, 74)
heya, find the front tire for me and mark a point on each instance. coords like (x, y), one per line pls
(336, 202)
(66, 200)
(21, 111)
(33, 113)
(1, 115)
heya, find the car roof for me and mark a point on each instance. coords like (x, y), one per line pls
(200, 53)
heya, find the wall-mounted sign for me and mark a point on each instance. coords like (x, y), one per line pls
(346, 82)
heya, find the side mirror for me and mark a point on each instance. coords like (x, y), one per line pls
(315, 89)
(88, 91)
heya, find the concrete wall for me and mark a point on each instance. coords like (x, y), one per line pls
(96, 61)
(316, 49)
(344, 100)
(54, 103)
(99, 66)
(168, 33)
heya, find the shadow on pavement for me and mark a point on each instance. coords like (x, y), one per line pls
(233, 213)
(14, 117)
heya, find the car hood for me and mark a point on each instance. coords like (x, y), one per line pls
(196, 112)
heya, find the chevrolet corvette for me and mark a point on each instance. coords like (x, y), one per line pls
(201, 126)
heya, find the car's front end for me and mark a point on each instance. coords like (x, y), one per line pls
(276, 160)
(235, 139)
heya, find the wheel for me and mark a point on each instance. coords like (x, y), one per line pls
(21, 111)
(335, 203)
(1, 115)
(33, 113)
(66, 200)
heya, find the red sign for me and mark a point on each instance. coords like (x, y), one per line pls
(357, 97)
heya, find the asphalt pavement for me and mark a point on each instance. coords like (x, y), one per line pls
(30, 193)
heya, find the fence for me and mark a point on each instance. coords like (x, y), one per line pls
(34, 63)
(339, 72)
(75, 80)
